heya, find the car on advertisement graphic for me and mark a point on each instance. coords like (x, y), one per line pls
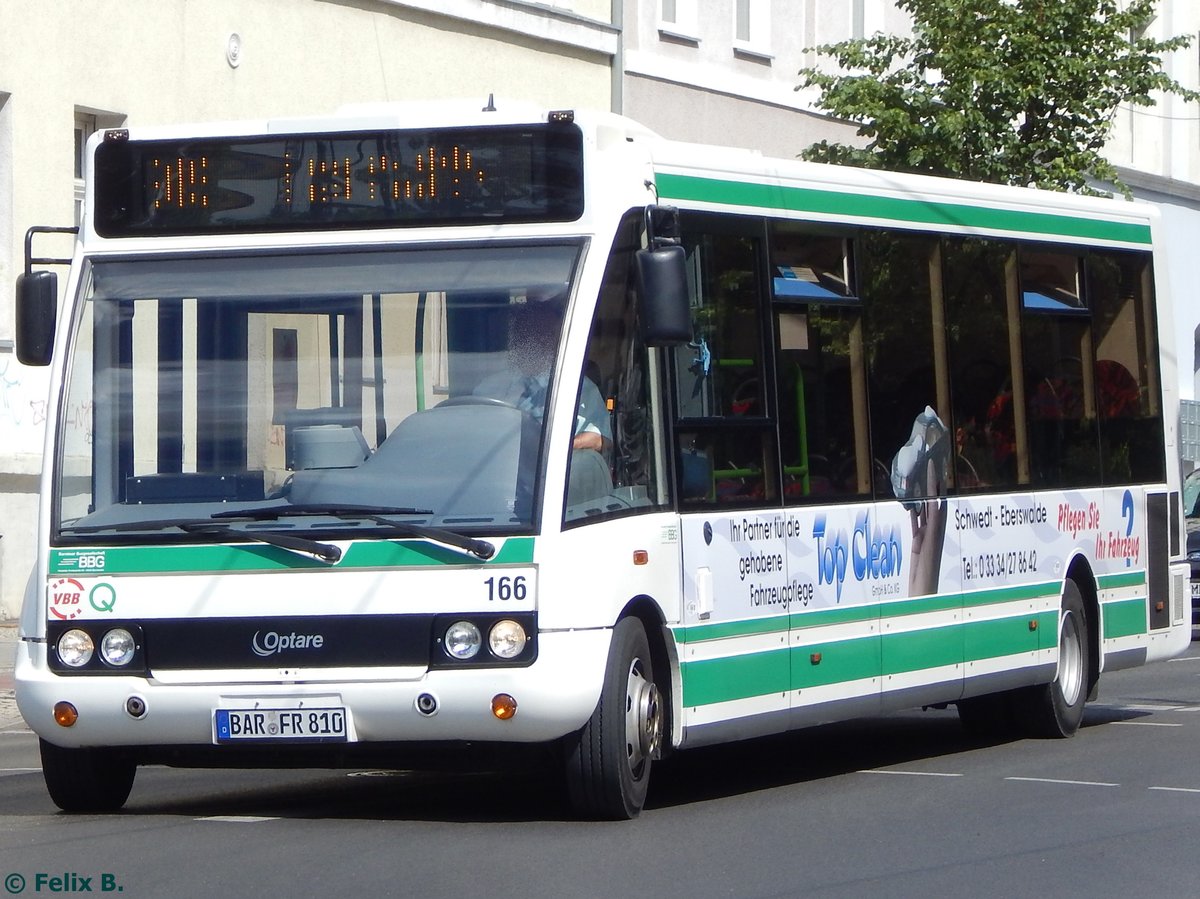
(1191, 511)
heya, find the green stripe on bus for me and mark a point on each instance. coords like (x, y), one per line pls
(1124, 579)
(747, 627)
(709, 681)
(847, 660)
(812, 618)
(1124, 618)
(736, 677)
(260, 557)
(903, 211)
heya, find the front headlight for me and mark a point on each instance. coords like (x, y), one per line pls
(507, 639)
(462, 640)
(117, 647)
(75, 648)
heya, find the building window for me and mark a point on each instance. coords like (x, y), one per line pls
(85, 127)
(678, 18)
(87, 123)
(752, 26)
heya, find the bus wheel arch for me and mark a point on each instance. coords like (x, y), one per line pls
(1080, 572)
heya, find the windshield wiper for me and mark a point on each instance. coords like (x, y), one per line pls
(481, 549)
(324, 551)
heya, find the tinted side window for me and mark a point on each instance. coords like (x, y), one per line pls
(1128, 394)
(726, 432)
(823, 439)
(979, 336)
(897, 292)
(1064, 447)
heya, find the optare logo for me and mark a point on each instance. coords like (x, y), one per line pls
(272, 643)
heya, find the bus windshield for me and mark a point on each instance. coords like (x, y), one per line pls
(412, 382)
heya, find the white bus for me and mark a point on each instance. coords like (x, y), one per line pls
(417, 428)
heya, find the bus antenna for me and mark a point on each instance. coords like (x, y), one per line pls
(491, 104)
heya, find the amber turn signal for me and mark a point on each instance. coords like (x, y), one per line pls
(504, 706)
(65, 714)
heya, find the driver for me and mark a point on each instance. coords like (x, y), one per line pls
(533, 337)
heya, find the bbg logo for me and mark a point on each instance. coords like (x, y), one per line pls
(869, 553)
(272, 643)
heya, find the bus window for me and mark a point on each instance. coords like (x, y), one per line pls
(725, 437)
(897, 291)
(979, 350)
(623, 472)
(823, 438)
(1127, 388)
(1060, 397)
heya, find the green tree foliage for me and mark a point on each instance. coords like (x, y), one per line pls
(1007, 91)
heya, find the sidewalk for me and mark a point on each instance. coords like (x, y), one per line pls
(10, 718)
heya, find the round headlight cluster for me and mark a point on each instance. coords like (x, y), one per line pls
(462, 640)
(117, 647)
(506, 639)
(76, 648)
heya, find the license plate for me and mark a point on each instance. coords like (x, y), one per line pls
(1195, 589)
(326, 725)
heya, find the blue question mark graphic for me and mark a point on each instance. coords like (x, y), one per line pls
(1127, 513)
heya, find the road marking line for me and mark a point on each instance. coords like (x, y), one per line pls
(912, 773)
(1175, 789)
(1153, 708)
(1076, 783)
(238, 819)
(1150, 723)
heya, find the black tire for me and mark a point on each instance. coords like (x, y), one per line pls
(1055, 709)
(86, 780)
(608, 762)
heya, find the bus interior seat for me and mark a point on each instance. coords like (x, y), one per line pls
(328, 418)
(328, 446)
(589, 478)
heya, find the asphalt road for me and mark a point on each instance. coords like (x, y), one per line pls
(896, 806)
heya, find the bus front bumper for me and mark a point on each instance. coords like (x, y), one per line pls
(554, 696)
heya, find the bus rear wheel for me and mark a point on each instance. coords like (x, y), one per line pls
(608, 762)
(1056, 709)
(86, 780)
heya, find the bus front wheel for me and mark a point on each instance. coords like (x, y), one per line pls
(86, 780)
(608, 762)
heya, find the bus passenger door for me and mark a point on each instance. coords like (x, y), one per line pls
(825, 456)
(734, 656)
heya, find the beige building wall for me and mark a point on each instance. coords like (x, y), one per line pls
(694, 72)
(152, 62)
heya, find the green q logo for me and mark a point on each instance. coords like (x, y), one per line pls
(103, 597)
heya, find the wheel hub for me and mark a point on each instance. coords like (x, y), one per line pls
(643, 718)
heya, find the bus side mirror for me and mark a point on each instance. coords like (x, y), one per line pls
(665, 309)
(37, 312)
